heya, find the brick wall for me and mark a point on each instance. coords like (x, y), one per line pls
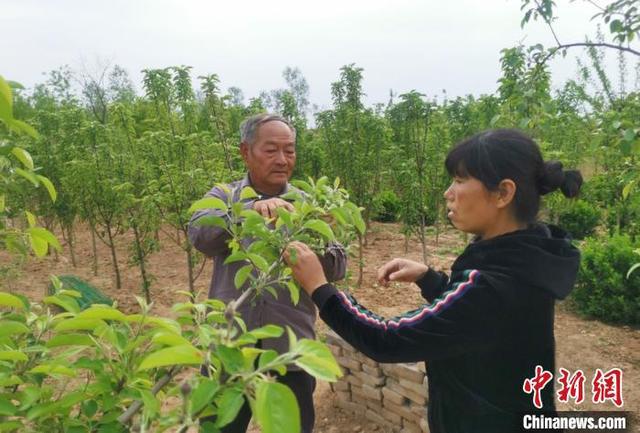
(391, 395)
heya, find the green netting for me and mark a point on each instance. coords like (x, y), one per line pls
(90, 294)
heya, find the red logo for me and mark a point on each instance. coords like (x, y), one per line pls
(607, 386)
(571, 386)
(536, 384)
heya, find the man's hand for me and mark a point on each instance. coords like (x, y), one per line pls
(307, 269)
(267, 208)
(403, 270)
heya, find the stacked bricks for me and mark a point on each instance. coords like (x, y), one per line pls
(393, 396)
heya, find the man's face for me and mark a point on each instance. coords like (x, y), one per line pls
(271, 158)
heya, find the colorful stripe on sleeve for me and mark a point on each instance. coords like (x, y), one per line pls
(415, 316)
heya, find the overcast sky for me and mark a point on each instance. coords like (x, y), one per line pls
(427, 45)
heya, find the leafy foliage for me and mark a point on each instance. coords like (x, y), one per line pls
(604, 289)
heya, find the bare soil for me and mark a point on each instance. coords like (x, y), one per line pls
(581, 343)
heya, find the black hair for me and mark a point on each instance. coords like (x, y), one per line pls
(497, 154)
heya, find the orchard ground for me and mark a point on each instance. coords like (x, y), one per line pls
(581, 343)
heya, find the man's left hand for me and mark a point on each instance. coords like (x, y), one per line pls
(307, 269)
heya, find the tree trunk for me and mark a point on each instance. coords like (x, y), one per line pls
(423, 240)
(114, 258)
(146, 284)
(70, 241)
(94, 249)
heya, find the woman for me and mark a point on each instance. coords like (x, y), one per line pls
(488, 325)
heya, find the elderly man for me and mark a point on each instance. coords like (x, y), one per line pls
(268, 148)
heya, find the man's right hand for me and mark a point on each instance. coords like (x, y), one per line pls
(403, 270)
(267, 208)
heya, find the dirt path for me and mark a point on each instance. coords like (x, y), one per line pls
(581, 344)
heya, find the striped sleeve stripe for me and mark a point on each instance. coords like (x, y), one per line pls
(416, 316)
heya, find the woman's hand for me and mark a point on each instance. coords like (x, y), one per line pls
(307, 270)
(403, 270)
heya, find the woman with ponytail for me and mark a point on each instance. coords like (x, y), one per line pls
(488, 325)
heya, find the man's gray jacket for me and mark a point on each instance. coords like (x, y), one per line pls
(212, 241)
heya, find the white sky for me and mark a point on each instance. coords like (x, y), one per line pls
(426, 45)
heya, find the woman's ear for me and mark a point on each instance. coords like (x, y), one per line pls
(506, 193)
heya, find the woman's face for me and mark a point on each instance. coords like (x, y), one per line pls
(472, 207)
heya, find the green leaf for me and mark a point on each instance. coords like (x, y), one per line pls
(276, 408)
(70, 340)
(175, 355)
(64, 302)
(6, 407)
(356, 215)
(42, 410)
(41, 238)
(321, 227)
(2, 203)
(78, 324)
(155, 322)
(11, 327)
(151, 403)
(12, 380)
(229, 405)
(317, 360)
(285, 216)
(27, 175)
(31, 218)
(340, 215)
(12, 301)
(53, 370)
(267, 357)
(89, 408)
(303, 186)
(23, 156)
(203, 395)
(629, 135)
(616, 26)
(169, 339)
(103, 312)
(235, 257)
(72, 398)
(13, 355)
(22, 127)
(247, 193)
(39, 246)
(294, 292)
(242, 275)
(259, 262)
(632, 269)
(231, 358)
(208, 203)
(210, 221)
(49, 186)
(293, 340)
(11, 426)
(268, 331)
(6, 101)
(250, 354)
(627, 189)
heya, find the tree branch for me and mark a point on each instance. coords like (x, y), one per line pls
(589, 44)
(135, 407)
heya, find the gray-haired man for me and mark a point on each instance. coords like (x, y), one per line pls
(268, 148)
